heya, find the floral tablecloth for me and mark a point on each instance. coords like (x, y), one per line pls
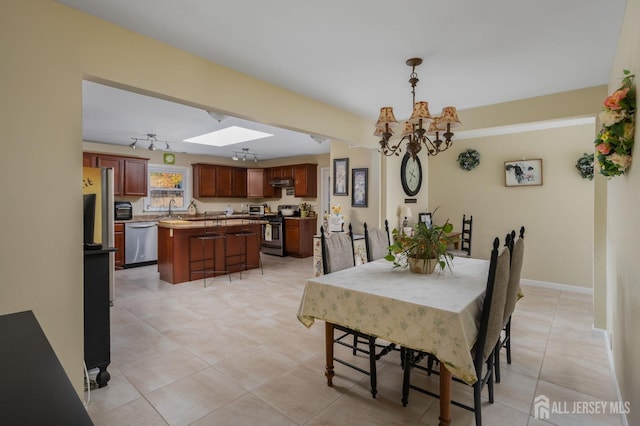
(437, 313)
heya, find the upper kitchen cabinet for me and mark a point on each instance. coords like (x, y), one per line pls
(129, 173)
(239, 182)
(210, 180)
(231, 182)
(204, 180)
(259, 186)
(305, 180)
(135, 177)
(282, 172)
(255, 182)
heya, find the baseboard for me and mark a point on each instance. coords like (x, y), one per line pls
(616, 386)
(556, 286)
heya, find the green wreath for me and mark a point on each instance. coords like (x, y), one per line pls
(585, 166)
(469, 159)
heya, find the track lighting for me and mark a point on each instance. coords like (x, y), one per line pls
(243, 155)
(152, 139)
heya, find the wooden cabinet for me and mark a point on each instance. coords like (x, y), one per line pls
(88, 159)
(204, 180)
(282, 172)
(255, 182)
(269, 191)
(116, 164)
(118, 240)
(135, 177)
(298, 236)
(210, 180)
(305, 180)
(239, 182)
(129, 173)
(224, 181)
(258, 184)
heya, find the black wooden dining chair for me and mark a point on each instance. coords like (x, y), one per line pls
(514, 292)
(338, 254)
(377, 241)
(465, 238)
(484, 349)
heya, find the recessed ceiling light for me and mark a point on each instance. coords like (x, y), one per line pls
(228, 136)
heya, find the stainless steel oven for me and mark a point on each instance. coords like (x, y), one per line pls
(273, 235)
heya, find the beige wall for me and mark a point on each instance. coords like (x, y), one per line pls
(47, 49)
(558, 215)
(623, 234)
(359, 158)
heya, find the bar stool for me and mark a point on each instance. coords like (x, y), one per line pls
(247, 233)
(204, 247)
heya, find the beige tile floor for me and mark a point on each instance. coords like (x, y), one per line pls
(235, 354)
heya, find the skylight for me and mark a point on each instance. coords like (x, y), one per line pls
(228, 136)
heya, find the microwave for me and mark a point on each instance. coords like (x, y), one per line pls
(256, 209)
(123, 210)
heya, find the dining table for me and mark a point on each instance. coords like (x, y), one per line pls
(438, 313)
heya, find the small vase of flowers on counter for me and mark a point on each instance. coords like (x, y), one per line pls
(305, 209)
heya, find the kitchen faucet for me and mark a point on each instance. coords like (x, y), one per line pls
(172, 202)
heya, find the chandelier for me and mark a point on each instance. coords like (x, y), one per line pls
(243, 155)
(419, 127)
(152, 139)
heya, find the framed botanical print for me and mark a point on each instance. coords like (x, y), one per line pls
(523, 172)
(341, 176)
(359, 189)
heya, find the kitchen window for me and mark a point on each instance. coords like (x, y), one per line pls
(167, 183)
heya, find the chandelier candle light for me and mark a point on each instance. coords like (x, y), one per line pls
(420, 125)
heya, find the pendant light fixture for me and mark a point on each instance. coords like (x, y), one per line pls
(419, 127)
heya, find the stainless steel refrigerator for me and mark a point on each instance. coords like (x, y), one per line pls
(99, 181)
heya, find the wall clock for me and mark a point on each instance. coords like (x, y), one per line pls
(411, 175)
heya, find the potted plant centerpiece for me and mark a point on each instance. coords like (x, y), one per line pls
(425, 248)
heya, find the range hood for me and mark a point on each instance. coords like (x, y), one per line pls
(281, 183)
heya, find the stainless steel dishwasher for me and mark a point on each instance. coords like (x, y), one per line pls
(140, 243)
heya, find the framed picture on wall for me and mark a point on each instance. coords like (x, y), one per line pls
(341, 176)
(523, 172)
(360, 184)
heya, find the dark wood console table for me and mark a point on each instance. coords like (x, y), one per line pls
(34, 388)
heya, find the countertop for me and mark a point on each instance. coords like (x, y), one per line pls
(299, 218)
(182, 217)
(192, 224)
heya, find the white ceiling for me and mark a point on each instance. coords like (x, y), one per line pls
(351, 54)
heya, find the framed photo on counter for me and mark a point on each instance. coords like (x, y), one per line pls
(425, 218)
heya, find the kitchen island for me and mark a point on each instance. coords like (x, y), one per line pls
(182, 258)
